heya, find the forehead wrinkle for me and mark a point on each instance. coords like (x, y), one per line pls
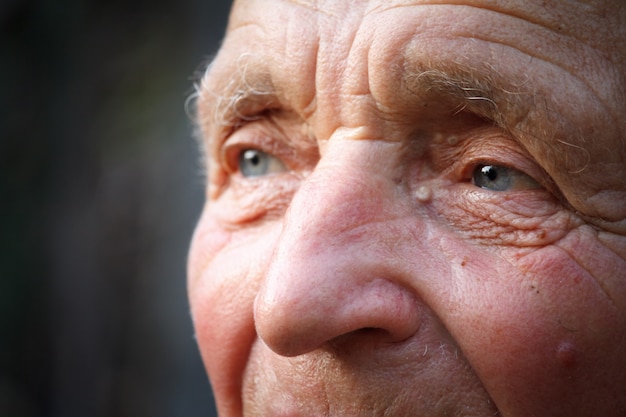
(314, 6)
(598, 20)
(589, 69)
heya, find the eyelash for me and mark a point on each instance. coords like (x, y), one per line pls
(458, 163)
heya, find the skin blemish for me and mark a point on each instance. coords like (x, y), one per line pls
(424, 193)
(453, 140)
(566, 354)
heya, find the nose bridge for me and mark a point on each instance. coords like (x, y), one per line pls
(327, 277)
(337, 197)
(337, 201)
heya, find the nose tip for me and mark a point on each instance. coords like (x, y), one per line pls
(294, 322)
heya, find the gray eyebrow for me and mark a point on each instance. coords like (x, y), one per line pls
(511, 105)
(240, 92)
(466, 91)
(236, 99)
(245, 92)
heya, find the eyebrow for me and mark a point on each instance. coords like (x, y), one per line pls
(467, 91)
(240, 98)
(245, 91)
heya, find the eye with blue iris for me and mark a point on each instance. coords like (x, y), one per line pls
(501, 178)
(256, 163)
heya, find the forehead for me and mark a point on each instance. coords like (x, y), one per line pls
(304, 47)
(600, 24)
(566, 14)
(582, 37)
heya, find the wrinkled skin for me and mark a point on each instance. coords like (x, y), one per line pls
(354, 258)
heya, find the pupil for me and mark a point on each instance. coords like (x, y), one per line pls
(252, 156)
(489, 172)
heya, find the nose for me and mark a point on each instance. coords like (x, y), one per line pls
(333, 271)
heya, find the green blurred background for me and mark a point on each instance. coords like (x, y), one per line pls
(99, 192)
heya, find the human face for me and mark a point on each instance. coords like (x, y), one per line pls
(415, 208)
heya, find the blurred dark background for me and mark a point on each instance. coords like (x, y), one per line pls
(99, 192)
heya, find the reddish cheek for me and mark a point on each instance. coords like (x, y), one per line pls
(534, 335)
(208, 239)
(225, 270)
(208, 287)
(205, 283)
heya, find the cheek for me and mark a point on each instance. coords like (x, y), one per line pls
(224, 267)
(538, 330)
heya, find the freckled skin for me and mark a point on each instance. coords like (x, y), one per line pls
(371, 276)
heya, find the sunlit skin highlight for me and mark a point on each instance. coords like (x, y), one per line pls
(415, 208)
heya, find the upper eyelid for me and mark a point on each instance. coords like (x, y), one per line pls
(278, 131)
(234, 123)
(227, 150)
(487, 147)
(221, 135)
(261, 134)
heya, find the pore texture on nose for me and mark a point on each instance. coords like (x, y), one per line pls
(331, 275)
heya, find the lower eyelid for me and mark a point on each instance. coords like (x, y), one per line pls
(524, 218)
(250, 199)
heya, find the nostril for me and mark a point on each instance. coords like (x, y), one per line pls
(367, 330)
(362, 334)
(362, 342)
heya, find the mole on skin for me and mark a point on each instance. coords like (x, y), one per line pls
(424, 193)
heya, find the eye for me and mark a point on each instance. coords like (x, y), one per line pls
(501, 178)
(256, 163)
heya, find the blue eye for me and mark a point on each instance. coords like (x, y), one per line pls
(256, 163)
(500, 178)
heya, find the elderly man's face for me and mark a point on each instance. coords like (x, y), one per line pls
(415, 209)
